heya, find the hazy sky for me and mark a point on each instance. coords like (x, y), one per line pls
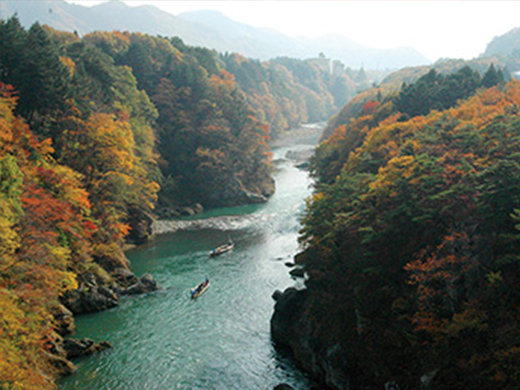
(439, 28)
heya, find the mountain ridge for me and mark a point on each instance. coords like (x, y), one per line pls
(205, 28)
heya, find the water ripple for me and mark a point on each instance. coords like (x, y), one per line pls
(226, 222)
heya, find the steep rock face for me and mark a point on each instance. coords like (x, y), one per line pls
(288, 311)
(292, 329)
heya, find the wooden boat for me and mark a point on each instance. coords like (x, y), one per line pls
(199, 289)
(222, 249)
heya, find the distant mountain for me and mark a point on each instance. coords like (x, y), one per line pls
(265, 43)
(209, 29)
(109, 16)
(505, 44)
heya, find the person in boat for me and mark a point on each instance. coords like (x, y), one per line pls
(202, 285)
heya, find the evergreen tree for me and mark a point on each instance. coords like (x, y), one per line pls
(492, 77)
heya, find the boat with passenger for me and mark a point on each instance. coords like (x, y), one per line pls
(222, 249)
(199, 289)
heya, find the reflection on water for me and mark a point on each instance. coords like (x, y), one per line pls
(165, 340)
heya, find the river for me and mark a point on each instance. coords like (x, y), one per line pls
(165, 340)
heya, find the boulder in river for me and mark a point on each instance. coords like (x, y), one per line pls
(297, 272)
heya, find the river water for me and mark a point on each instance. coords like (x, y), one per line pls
(165, 340)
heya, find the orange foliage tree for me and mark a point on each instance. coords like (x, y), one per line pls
(44, 241)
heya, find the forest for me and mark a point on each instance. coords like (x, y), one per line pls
(410, 240)
(99, 134)
(412, 234)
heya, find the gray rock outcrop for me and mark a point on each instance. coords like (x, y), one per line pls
(89, 299)
(144, 285)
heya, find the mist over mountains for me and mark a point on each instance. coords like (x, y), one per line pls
(506, 45)
(209, 29)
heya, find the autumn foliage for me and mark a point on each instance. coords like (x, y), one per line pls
(412, 242)
(44, 230)
(90, 130)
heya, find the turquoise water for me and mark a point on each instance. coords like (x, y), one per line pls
(165, 340)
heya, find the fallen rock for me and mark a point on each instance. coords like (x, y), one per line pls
(187, 212)
(83, 347)
(427, 379)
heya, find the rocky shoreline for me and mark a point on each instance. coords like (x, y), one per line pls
(97, 293)
(91, 296)
(293, 330)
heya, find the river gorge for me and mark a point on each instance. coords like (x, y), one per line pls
(165, 340)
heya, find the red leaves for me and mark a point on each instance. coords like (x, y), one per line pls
(89, 225)
(370, 107)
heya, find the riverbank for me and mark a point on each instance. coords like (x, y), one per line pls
(221, 340)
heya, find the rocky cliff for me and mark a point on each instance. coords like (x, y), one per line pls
(294, 330)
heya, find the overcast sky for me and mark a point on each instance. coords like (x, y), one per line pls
(439, 28)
